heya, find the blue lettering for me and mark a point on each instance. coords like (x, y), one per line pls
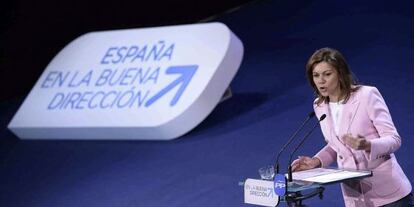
(120, 54)
(48, 80)
(112, 80)
(155, 52)
(141, 54)
(93, 98)
(101, 99)
(105, 97)
(154, 76)
(87, 79)
(168, 53)
(82, 100)
(141, 77)
(60, 79)
(108, 54)
(125, 79)
(131, 52)
(72, 100)
(103, 78)
(123, 54)
(71, 85)
(56, 101)
(130, 93)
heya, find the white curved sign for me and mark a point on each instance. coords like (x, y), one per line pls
(152, 83)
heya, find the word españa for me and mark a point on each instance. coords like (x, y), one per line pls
(124, 54)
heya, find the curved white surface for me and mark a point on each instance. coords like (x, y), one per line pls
(151, 83)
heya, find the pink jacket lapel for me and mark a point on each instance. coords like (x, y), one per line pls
(348, 115)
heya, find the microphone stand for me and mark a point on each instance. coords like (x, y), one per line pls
(299, 145)
(295, 198)
(310, 115)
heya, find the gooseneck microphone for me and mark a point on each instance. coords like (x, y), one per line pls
(310, 115)
(299, 145)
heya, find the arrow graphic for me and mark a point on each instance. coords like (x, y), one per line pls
(187, 72)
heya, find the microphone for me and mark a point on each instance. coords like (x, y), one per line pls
(299, 145)
(310, 115)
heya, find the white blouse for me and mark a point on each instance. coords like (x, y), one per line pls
(336, 113)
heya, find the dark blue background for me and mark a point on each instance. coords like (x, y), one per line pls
(271, 97)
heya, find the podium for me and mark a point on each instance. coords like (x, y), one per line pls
(306, 184)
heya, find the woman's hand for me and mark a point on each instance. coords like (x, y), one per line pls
(357, 143)
(305, 163)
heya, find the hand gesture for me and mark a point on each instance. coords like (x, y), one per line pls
(305, 163)
(357, 143)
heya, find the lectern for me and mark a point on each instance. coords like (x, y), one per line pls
(305, 184)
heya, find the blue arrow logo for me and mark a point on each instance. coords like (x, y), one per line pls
(187, 72)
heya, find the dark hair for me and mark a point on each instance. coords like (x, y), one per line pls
(337, 61)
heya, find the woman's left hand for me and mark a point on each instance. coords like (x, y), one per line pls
(357, 143)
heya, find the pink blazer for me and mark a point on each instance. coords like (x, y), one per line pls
(365, 114)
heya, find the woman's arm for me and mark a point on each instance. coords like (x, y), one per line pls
(389, 140)
(326, 156)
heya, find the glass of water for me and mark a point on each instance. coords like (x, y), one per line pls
(267, 172)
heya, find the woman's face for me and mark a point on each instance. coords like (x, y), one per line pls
(326, 80)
